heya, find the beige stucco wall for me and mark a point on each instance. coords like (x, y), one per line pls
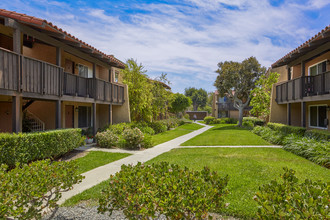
(215, 106)
(283, 71)
(121, 113)
(296, 114)
(42, 52)
(102, 73)
(278, 113)
(120, 78)
(102, 115)
(318, 59)
(45, 111)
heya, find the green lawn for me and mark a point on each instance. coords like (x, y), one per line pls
(177, 132)
(97, 158)
(226, 134)
(248, 168)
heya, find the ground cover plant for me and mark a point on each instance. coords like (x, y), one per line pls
(311, 144)
(225, 134)
(171, 134)
(26, 147)
(247, 168)
(290, 199)
(96, 159)
(27, 190)
(163, 188)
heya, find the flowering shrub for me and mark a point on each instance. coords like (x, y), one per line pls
(107, 139)
(147, 191)
(293, 200)
(133, 138)
(27, 190)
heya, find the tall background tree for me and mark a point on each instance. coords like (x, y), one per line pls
(261, 95)
(197, 96)
(236, 80)
(139, 91)
(161, 96)
(179, 103)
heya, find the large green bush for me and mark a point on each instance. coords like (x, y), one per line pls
(287, 129)
(209, 120)
(107, 139)
(147, 191)
(293, 200)
(28, 190)
(317, 151)
(26, 147)
(133, 138)
(158, 126)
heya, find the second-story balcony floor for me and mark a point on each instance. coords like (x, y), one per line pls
(303, 89)
(32, 78)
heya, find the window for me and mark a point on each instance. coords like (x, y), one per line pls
(317, 68)
(318, 116)
(83, 70)
(116, 76)
(84, 116)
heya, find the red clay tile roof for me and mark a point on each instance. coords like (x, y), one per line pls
(317, 37)
(44, 24)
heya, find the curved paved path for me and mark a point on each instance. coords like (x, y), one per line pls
(99, 174)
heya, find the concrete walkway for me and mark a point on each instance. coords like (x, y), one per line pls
(99, 174)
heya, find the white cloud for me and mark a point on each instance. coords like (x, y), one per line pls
(187, 41)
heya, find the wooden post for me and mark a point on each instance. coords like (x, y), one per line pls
(110, 114)
(94, 118)
(17, 45)
(16, 116)
(289, 113)
(303, 114)
(302, 79)
(289, 73)
(58, 118)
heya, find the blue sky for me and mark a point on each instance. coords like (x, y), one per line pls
(185, 38)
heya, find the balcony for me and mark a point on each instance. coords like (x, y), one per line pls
(303, 88)
(38, 79)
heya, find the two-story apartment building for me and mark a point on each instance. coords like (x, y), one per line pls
(49, 79)
(223, 107)
(302, 95)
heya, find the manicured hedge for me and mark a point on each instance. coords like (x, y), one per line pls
(27, 147)
(287, 129)
(318, 134)
(254, 120)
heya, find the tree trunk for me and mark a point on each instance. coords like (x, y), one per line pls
(240, 116)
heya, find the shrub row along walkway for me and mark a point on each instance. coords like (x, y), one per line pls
(97, 175)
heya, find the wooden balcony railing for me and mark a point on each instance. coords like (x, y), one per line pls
(23, 74)
(302, 87)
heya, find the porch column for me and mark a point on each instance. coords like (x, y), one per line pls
(289, 113)
(16, 116)
(58, 56)
(289, 73)
(94, 118)
(58, 114)
(17, 45)
(303, 114)
(302, 79)
(110, 114)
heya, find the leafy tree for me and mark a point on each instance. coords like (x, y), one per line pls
(261, 95)
(179, 103)
(161, 96)
(236, 81)
(198, 97)
(139, 91)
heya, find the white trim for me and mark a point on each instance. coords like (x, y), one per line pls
(309, 116)
(309, 67)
